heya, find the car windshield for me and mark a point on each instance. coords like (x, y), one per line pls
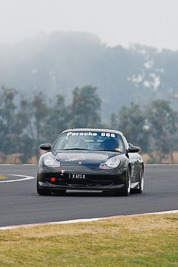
(91, 140)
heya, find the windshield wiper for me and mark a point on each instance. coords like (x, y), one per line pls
(76, 148)
(110, 150)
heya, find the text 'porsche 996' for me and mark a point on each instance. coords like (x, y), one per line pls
(90, 159)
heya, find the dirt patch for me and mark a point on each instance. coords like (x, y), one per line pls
(168, 160)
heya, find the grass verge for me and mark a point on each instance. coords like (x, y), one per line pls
(150, 240)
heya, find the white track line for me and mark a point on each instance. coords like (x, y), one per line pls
(82, 220)
(18, 180)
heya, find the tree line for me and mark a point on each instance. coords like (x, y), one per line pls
(138, 74)
(25, 123)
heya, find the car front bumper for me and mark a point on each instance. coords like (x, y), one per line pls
(98, 179)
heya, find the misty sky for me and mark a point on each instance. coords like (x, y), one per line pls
(115, 22)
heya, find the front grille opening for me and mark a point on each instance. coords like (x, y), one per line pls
(89, 180)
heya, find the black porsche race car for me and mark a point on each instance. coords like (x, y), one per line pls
(90, 159)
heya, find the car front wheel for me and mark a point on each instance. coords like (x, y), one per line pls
(127, 183)
(43, 192)
(141, 182)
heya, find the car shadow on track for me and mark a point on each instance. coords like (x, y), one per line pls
(87, 194)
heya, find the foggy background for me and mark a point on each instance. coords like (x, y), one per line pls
(115, 22)
(88, 63)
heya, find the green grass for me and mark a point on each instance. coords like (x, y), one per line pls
(150, 240)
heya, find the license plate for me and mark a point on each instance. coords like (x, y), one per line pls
(77, 176)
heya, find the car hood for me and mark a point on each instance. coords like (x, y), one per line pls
(84, 157)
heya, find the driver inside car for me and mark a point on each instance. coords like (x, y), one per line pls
(74, 141)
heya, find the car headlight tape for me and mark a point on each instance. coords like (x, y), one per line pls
(110, 163)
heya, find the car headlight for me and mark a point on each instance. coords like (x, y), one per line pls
(110, 163)
(50, 161)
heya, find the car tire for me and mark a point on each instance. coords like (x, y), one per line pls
(127, 183)
(141, 182)
(43, 192)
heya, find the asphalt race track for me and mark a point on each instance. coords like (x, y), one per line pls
(20, 204)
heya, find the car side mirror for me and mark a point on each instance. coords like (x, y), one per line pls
(46, 147)
(133, 149)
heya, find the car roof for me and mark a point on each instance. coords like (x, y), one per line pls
(93, 130)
